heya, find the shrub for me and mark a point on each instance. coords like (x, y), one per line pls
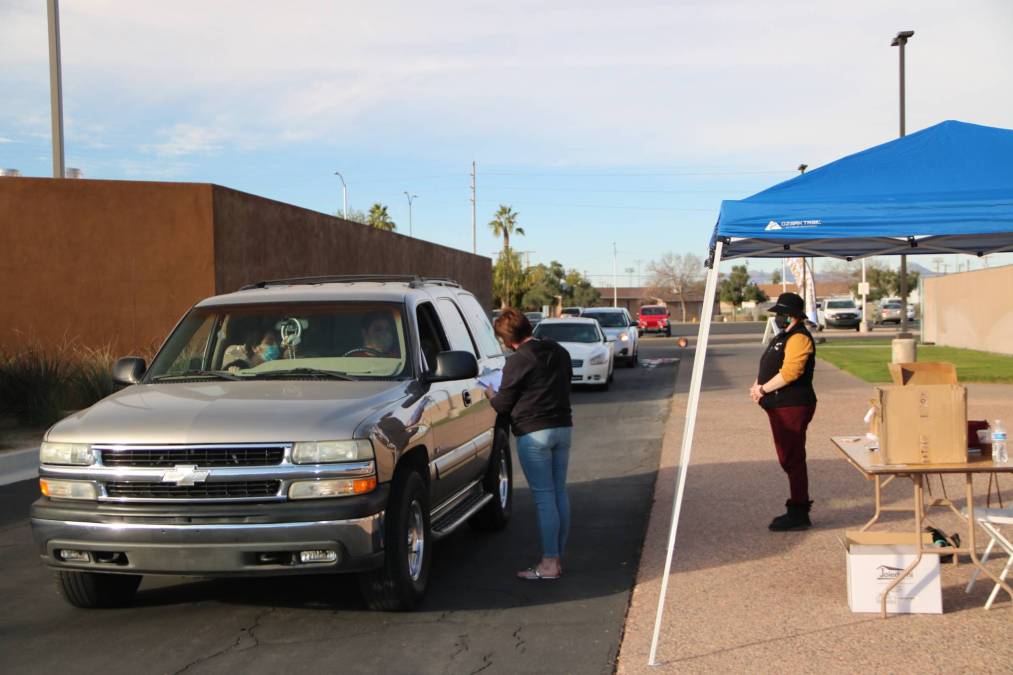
(33, 386)
(38, 386)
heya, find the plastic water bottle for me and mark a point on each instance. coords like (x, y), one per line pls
(999, 454)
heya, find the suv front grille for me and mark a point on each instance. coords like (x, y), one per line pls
(201, 456)
(225, 490)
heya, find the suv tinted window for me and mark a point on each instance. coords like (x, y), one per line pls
(653, 311)
(457, 330)
(431, 338)
(480, 326)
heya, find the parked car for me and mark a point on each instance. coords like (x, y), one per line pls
(591, 352)
(840, 313)
(292, 427)
(620, 327)
(572, 311)
(534, 317)
(890, 311)
(654, 319)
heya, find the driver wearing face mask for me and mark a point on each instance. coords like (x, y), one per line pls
(784, 389)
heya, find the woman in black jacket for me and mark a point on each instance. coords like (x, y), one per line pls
(535, 393)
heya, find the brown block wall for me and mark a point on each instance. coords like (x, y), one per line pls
(116, 263)
(258, 238)
(101, 262)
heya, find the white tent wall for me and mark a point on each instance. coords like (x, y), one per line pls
(695, 384)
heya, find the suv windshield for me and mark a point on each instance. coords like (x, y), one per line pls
(567, 332)
(652, 311)
(355, 339)
(840, 304)
(608, 319)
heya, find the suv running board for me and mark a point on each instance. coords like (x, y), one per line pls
(456, 516)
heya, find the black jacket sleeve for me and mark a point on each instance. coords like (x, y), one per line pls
(514, 373)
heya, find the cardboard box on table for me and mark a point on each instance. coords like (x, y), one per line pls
(922, 418)
(875, 559)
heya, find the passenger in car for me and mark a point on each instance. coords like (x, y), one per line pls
(258, 348)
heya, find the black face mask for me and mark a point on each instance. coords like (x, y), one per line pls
(782, 321)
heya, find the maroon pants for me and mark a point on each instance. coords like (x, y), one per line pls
(788, 426)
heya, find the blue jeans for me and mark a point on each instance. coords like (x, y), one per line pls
(544, 456)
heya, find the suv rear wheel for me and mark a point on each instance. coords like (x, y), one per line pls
(499, 482)
(400, 584)
(91, 590)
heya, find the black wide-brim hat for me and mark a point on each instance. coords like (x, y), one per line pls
(791, 304)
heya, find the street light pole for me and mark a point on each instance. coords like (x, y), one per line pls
(410, 199)
(474, 220)
(900, 41)
(615, 281)
(344, 195)
(55, 86)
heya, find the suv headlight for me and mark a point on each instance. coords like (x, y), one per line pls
(324, 452)
(74, 454)
(598, 359)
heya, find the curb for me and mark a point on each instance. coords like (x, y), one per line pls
(19, 465)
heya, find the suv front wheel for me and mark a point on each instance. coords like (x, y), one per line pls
(92, 590)
(400, 583)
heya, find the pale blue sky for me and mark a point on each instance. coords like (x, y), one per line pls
(597, 121)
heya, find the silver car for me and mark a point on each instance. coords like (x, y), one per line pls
(617, 324)
(296, 426)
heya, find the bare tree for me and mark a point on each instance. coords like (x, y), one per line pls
(679, 273)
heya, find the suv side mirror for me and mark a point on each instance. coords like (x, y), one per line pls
(454, 366)
(129, 370)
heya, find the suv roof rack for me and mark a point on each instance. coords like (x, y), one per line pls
(413, 280)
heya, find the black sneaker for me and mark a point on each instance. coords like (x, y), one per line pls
(797, 518)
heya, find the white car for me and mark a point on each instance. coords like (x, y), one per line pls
(840, 313)
(620, 327)
(591, 352)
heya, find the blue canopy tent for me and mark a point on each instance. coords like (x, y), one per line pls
(945, 189)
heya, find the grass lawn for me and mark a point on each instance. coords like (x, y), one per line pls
(869, 361)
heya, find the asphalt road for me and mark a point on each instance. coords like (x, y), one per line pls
(476, 618)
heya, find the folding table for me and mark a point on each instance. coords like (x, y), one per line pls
(856, 449)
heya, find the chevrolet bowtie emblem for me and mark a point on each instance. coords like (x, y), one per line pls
(184, 474)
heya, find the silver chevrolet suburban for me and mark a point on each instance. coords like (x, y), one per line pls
(326, 424)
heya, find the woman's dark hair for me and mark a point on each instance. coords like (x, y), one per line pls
(512, 326)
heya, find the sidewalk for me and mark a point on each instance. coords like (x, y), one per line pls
(19, 456)
(744, 599)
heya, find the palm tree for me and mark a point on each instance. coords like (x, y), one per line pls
(504, 223)
(379, 218)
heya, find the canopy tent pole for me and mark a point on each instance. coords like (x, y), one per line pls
(696, 381)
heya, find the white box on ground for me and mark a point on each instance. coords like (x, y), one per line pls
(875, 559)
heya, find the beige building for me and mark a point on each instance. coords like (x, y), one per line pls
(973, 310)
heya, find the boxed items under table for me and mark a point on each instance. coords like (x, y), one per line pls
(875, 559)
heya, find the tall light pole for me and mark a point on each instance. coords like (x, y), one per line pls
(55, 86)
(615, 281)
(474, 220)
(411, 198)
(344, 195)
(900, 41)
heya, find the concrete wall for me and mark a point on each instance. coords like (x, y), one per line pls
(101, 262)
(972, 310)
(116, 263)
(258, 238)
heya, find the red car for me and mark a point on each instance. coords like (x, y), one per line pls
(654, 319)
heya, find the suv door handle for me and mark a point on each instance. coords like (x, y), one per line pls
(466, 396)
